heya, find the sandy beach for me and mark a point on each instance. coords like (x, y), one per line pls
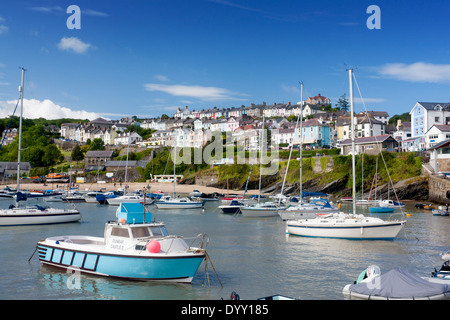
(154, 187)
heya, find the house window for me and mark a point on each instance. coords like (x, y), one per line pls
(436, 119)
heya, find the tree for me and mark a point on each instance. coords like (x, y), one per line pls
(52, 155)
(97, 144)
(77, 154)
(343, 103)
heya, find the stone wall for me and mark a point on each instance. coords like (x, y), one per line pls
(439, 190)
(209, 178)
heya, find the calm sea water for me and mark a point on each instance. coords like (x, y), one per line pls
(252, 256)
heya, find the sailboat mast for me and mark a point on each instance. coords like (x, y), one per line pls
(301, 143)
(352, 130)
(261, 142)
(20, 129)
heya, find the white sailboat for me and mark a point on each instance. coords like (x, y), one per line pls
(260, 209)
(174, 202)
(302, 209)
(342, 225)
(32, 215)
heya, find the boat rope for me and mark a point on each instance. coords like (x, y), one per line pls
(208, 258)
(9, 124)
(35, 249)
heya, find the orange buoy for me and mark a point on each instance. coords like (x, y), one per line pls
(153, 246)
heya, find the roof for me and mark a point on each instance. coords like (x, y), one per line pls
(443, 144)
(122, 163)
(99, 153)
(370, 139)
(432, 105)
(442, 127)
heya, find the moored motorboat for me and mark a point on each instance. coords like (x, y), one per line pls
(391, 204)
(233, 208)
(133, 247)
(169, 202)
(263, 209)
(440, 212)
(129, 198)
(443, 274)
(308, 210)
(380, 209)
(396, 284)
(73, 197)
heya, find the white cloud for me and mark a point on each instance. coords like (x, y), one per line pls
(73, 44)
(161, 78)
(369, 100)
(291, 89)
(47, 109)
(416, 72)
(53, 9)
(3, 28)
(199, 92)
(94, 13)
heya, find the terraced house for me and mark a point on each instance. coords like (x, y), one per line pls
(423, 116)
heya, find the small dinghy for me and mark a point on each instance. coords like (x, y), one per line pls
(396, 284)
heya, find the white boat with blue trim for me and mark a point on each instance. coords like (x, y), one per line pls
(132, 248)
(169, 202)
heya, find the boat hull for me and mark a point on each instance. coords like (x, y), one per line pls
(33, 218)
(258, 212)
(178, 205)
(117, 201)
(157, 267)
(384, 231)
(305, 213)
(381, 209)
(230, 209)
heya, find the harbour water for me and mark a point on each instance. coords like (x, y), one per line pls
(252, 257)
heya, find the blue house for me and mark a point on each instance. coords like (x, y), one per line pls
(315, 133)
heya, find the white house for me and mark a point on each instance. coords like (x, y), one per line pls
(279, 136)
(162, 138)
(232, 124)
(310, 109)
(403, 135)
(187, 138)
(423, 116)
(437, 134)
(440, 156)
(127, 138)
(365, 127)
(247, 136)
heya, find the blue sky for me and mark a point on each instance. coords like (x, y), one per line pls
(149, 57)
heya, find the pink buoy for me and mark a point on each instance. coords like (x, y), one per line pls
(122, 220)
(153, 246)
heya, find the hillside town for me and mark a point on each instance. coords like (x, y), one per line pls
(427, 130)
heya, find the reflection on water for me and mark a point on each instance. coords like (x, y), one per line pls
(252, 256)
